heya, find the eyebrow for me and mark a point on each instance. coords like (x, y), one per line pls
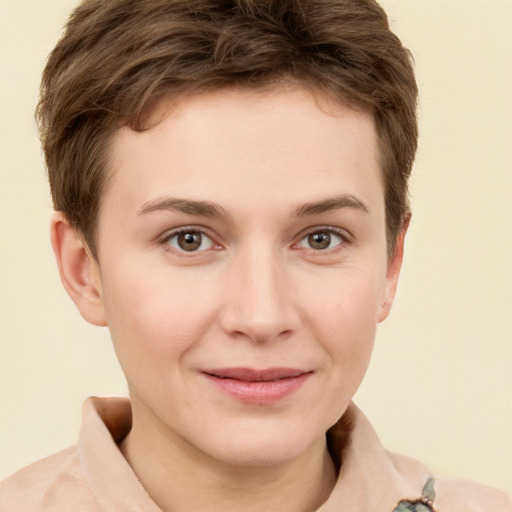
(186, 206)
(212, 210)
(331, 204)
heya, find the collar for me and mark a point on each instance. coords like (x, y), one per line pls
(370, 478)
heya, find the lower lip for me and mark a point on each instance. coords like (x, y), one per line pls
(264, 392)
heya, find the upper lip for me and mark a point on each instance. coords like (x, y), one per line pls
(255, 375)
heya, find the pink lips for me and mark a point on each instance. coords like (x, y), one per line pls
(258, 386)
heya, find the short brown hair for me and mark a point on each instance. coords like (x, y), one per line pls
(118, 58)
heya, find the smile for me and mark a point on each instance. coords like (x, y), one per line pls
(258, 386)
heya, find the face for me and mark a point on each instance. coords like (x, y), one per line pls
(243, 270)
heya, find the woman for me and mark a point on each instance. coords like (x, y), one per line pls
(230, 187)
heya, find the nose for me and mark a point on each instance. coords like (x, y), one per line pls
(258, 298)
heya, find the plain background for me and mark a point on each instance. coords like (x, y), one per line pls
(440, 384)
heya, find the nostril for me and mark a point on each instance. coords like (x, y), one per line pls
(258, 306)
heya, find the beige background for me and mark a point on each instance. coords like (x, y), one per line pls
(440, 384)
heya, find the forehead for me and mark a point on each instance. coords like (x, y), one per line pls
(231, 142)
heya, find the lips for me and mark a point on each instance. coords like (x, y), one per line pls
(257, 386)
(250, 375)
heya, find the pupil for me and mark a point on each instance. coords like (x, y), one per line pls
(320, 240)
(189, 241)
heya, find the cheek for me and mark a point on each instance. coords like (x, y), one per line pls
(343, 316)
(346, 301)
(155, 322)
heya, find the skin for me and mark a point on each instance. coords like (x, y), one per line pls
(274, 168)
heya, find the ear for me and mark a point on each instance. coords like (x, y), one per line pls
(393, 272)
(79, 271)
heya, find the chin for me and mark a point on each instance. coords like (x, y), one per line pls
(264, 447)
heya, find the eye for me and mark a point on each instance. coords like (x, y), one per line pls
(190, 240)
(321, 240)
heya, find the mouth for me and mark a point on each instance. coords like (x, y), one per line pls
(257, 386)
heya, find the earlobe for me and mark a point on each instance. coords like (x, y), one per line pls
(393, 272)
(79, 271)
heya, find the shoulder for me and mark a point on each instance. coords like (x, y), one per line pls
(407, 482)
(56, 483)
(454, 494)
(459, 495)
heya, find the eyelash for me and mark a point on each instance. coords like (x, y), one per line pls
(344, 239)
(342, 235)
(184, 231)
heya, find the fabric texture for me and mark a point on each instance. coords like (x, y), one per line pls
(93, 476)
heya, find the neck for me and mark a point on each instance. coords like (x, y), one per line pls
(180, 479)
